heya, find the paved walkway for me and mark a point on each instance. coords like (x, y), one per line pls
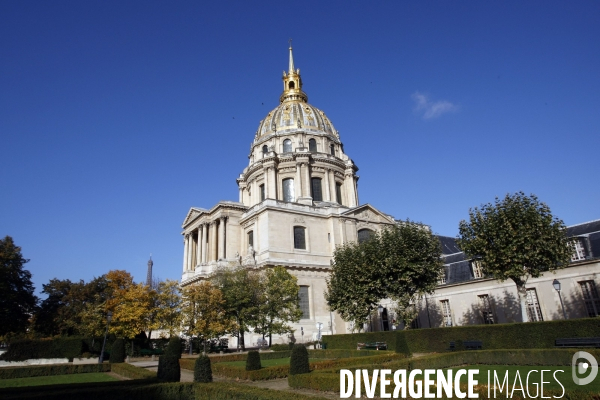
(275, 384)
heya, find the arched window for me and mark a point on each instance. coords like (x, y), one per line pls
(332, 149)
(265, 149)
(287, 146)
(315, 188)
(262, 192)
(364, 235)
(288, 190)
(291, 85)
(300, 237)
(338, 193)
(312, 145)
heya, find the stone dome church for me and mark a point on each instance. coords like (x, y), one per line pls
(298, 200)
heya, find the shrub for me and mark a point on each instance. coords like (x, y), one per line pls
(168, 369)
(132, 372)
(48, 370)
(25, 349)
(117, 352)
(203, 370)
(174, 347)
(299, 360)
(253, 361)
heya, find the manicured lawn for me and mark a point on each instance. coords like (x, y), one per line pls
(267, 363)
(565, 378)
(57, 379)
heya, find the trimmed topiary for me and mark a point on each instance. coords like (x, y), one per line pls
(117, 351)
(203, 370)
(174, 347)
(253, 361)
(299, 360)
(168, 369)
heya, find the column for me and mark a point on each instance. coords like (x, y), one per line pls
(298, 183)
(189, 252)
(213, 241)
(327, 186)
(204, 237)
(272, 183)
(185, 251)
(199, 247)
(332, 186)
(266, 183)
(241, 196)
(350, 188)
(306, 180)
(221, 238)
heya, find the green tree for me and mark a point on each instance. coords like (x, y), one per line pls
(401, 262)
(515, 238)
(241, 292)
(17, 301)
(279, 302)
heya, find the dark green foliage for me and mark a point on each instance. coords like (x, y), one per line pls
(49, 370)
(202, 370)
(350, 341)
(174, 347)
(168, 369)
(117, 351)
(253, 361)
(25, 349)
(299, 360)
(17, 301)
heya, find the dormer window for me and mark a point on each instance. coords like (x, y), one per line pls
(312, 145)
(332, 149)
(265, 149)
(578, 251)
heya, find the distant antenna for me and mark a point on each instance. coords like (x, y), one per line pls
(149, 275)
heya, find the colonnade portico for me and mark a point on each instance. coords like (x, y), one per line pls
(205, 244)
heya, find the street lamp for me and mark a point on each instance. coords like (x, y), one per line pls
(108, 318)
(556, 284)
(319, 326)
(380, 310)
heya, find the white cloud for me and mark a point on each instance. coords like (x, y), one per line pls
(431, 109)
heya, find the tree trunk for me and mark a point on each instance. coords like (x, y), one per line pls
(242, 343)
(270, 337)
(191, 344)
(522, 291)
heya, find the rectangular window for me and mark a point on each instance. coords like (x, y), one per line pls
(288, 190)
(446, 313)
(486, 309)
(315, 186)
(578, 251)
(251, 238)
(338, 193)
(262, 192)
(442, 279)
(533, 306)
(590, 297)
(304, 302)
(299, 238)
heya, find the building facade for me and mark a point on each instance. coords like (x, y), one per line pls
(298, 200)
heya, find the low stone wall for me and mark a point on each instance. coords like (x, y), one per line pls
(39, 361)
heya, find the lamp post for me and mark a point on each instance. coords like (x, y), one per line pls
(319, 326)
(108, 318)
(380, 311)
(556, 284)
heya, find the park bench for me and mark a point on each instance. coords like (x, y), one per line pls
(372, 346)
(468, 345)
(577, 342)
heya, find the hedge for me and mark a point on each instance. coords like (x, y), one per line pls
(48, 370)
(532, 335)
(223, 390)
(25, 349)
(131, 371)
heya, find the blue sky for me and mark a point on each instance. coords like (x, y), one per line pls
(117, 116)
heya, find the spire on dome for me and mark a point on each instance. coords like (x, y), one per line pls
(291, 69)
(292, 83)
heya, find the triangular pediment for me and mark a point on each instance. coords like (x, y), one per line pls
(367, 212)
(193, 214)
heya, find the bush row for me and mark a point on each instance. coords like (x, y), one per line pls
(48, 370)
(131, 371)
(222, 390)
(533, 335)
(25, 349)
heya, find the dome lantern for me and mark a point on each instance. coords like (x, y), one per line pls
(292, 83)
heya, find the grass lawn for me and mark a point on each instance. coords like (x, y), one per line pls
(57, 379)
(565, 378)
(267, 363)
